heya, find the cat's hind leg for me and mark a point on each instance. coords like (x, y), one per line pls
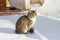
(20, 32)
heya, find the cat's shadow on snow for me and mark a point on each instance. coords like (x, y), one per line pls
(33, 36)
(7, 30)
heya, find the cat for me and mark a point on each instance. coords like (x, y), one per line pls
(25, 23)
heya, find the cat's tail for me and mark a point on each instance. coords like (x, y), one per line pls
(40, 35)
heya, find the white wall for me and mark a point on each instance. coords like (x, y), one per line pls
(51, 8)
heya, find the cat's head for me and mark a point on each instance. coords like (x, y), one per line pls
(32, 14)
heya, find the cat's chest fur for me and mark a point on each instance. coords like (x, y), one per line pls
(33, 21)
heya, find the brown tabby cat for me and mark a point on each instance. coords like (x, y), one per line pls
(25, 23)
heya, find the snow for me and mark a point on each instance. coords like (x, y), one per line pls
(47, 26)
(45, 29)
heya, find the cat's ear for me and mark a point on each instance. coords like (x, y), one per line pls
(32, 11)
(29, 11)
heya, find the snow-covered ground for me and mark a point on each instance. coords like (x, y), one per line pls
(47, 25)
(46, 28)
